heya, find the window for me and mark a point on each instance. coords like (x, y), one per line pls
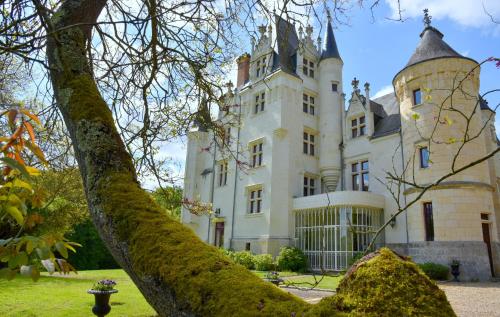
(417, 97)
(309, 185)
(260, 68)
(308, 104)
(424, 157)
(308, 144)
(227, 136)
(485, 217)
(260, 100)
(255, 201)
(428, 222)
(223, 174)
(358, 127)
(335, 87)
(360, 176)
(308, 67)
(247, 246)
(256, 154)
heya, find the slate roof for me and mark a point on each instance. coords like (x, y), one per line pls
(330, 49)
(287, 42)
(391, 122)
(483, 104)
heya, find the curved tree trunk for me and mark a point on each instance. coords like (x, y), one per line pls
(177, 273)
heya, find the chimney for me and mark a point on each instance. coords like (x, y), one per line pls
(243, 69)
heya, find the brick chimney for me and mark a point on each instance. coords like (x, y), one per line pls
(243, 69)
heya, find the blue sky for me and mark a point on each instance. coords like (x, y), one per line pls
(375, 51)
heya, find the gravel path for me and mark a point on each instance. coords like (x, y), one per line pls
(467, 299)
(473, 299)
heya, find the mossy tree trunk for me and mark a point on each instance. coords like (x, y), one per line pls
(178, 274)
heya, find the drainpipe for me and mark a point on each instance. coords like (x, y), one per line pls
(212, 186)
(236, 171)
(342, 171)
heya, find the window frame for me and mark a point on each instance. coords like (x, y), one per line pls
(358, 126)
(414, 96)
(222, 175)
(260, 102)
(309, 185)
(359, 173)
(424, 164)
(308, 143)
(308, 67)
(255, 198)
(260, 67)
(256, 153)
(308, 104)
(428, 214)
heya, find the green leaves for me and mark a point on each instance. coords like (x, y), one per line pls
(18, 260)
(15, 165)
(15, 213)
(61, 248)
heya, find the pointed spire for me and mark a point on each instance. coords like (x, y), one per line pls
(427, 18)
(330, 49)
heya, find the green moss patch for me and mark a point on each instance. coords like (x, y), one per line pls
(385, 284)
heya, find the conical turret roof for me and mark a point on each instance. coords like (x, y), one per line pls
(431, 46)
(330, 49)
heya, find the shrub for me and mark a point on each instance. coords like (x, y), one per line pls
(435, 271)
(292, 259)
(228, 253)
(264, 262)
(244, 258)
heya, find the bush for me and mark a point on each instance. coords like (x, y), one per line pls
(292, 259)
(228, 253)
(244, 258)
(263, 262)
(435, 271)
(93, 255)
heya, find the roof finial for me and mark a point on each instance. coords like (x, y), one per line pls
(427, 18)
(355, 83)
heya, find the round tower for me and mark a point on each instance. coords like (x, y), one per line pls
(330, 117)
(449, 222)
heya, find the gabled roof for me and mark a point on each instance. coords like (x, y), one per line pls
(330, 49)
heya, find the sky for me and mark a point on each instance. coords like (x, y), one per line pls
(375, 50)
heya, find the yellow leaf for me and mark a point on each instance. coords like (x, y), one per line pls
(415, 116)
(15, 213)
(33, 171)
(21, 184)
(448, 120)
(31, 116)
(13, 199)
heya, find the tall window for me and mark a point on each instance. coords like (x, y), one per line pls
(424, 157)
(308, 144)
(257, 154)
(260, 100)
(308, 104)
(358, 127)
(308, 67)
(428, 222)
(222, 173)
(417, 97)
(309, 185)
(335, 87)
(255, 201)
(227, 136)
(360, 176)
(260, 69)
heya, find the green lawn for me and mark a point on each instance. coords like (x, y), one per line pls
(55, 296)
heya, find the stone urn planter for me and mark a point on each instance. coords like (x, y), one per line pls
(101, 307)
(455, 270)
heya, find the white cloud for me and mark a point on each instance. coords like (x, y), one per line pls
(383, 91)
(469, 13)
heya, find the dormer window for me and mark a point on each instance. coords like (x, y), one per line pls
(260, 67)
(417, 97)
(358, 127)
(308, 67)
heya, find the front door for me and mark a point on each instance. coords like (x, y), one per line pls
(219, 234)
(486, 239)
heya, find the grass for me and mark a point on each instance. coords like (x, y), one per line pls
(61, 296)
(54, 296)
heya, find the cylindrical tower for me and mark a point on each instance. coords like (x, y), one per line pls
(330, 116)
(435, 89)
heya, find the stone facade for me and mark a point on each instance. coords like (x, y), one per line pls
(293, 149)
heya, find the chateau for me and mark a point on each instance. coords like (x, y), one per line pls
(297, 164)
